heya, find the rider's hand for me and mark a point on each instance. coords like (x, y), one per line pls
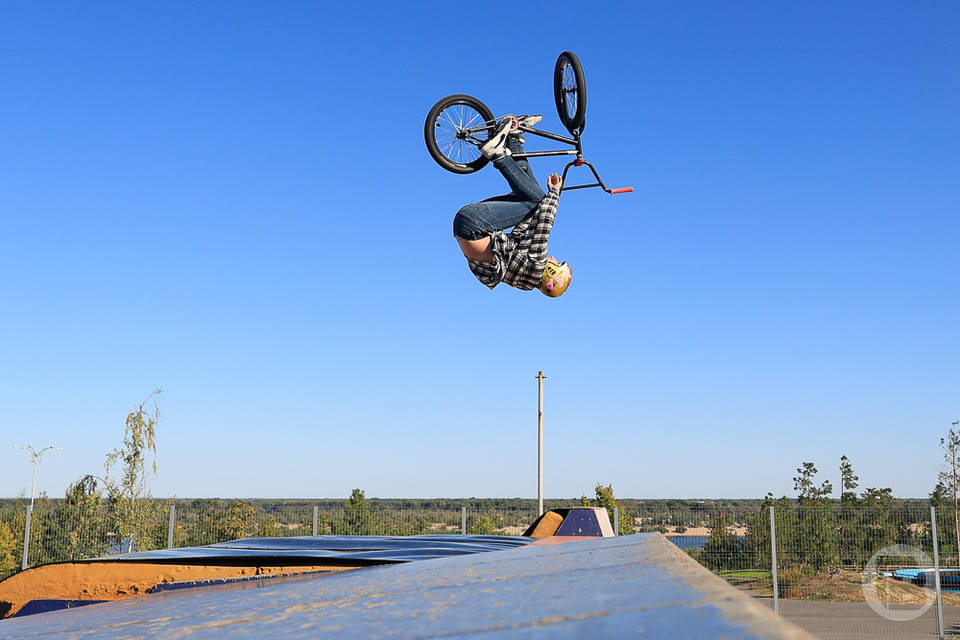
(554, 181)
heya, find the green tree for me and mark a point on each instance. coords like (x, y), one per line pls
(848, 483)
(849, 526)
(940, 496)
(484, 525)
(877, 513)
(360, 517)
(267, 526)
(415, 527)
(239, 522)
(756, 543)
(805, 485)
(8, 550)
(815, 534)
(134, 514)
(605, 499)
(88, 519)
(205, 529)
(949, 476)
(721, 551)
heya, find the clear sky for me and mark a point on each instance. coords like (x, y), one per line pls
(233, 202)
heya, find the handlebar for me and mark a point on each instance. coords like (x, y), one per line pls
(579, 162)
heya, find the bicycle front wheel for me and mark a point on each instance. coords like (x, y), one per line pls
(570, 92)
(455, 128)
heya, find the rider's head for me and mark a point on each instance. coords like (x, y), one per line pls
(556, 278)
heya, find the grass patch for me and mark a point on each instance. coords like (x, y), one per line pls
(748, 573)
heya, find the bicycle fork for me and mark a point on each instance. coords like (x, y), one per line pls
(578, 162)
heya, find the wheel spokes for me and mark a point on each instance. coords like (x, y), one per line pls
(570, 90)
(455, 133)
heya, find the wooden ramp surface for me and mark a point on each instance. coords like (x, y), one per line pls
(601, 588)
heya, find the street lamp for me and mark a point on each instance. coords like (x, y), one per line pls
(36, 455)
(540, 379)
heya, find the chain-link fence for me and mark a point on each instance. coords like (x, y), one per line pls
(856, 570)
(61, 531)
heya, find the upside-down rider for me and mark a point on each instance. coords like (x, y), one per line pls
(518, 258)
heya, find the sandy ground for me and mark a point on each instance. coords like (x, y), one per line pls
(117, 580)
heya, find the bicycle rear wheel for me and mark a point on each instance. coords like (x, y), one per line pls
(455, 128)
(570, 92)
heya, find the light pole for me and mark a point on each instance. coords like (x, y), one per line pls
(37, 456)
(540, 378)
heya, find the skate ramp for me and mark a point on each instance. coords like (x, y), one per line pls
(576, 521)
(610, 587)
(73, 584)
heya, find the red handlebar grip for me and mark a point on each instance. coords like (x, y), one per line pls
(622, 190)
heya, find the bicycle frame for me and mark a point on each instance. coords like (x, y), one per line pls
(577, 151)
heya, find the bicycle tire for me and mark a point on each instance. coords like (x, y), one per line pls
(570, 92)
(451, 118)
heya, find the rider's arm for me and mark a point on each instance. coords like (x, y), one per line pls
(541, 226)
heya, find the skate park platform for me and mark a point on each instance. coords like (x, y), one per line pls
(554, 586)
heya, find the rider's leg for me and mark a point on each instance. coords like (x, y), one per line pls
(475, 222)
(500, 148)
(516, 147)
(518, 173)
(476, 249)
(480, 219)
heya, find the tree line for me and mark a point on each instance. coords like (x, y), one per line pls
(115, 513)
(816, 531)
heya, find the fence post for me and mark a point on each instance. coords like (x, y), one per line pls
(26, 536)
(616, 521)
(463, 521)
(170, 528)
(936, 570)
(316, 518)
(773, 560)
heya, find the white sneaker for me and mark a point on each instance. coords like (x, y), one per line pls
(496, 145)
(525, 121)
(529, 121)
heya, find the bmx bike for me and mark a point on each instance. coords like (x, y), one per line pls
(458, 124)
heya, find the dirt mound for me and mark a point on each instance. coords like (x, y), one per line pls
(116, 580)
(847, 586)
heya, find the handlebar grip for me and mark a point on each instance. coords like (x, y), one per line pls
(622, 190)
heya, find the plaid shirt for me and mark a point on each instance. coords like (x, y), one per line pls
(519, 257)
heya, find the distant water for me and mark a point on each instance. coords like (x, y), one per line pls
(689, 542)
(693, 542)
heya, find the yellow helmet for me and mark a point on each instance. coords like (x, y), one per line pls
(556, 278)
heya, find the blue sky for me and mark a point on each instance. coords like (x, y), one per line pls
(233, 202)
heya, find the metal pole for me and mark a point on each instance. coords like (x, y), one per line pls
(33, 487)
(170, 528)
(540, 378)
(463, 521)
(616, 521)
(26, 537)
(936, 570)
(773, 560)
(316, 518)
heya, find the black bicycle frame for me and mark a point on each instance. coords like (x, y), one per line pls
(579, 161)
